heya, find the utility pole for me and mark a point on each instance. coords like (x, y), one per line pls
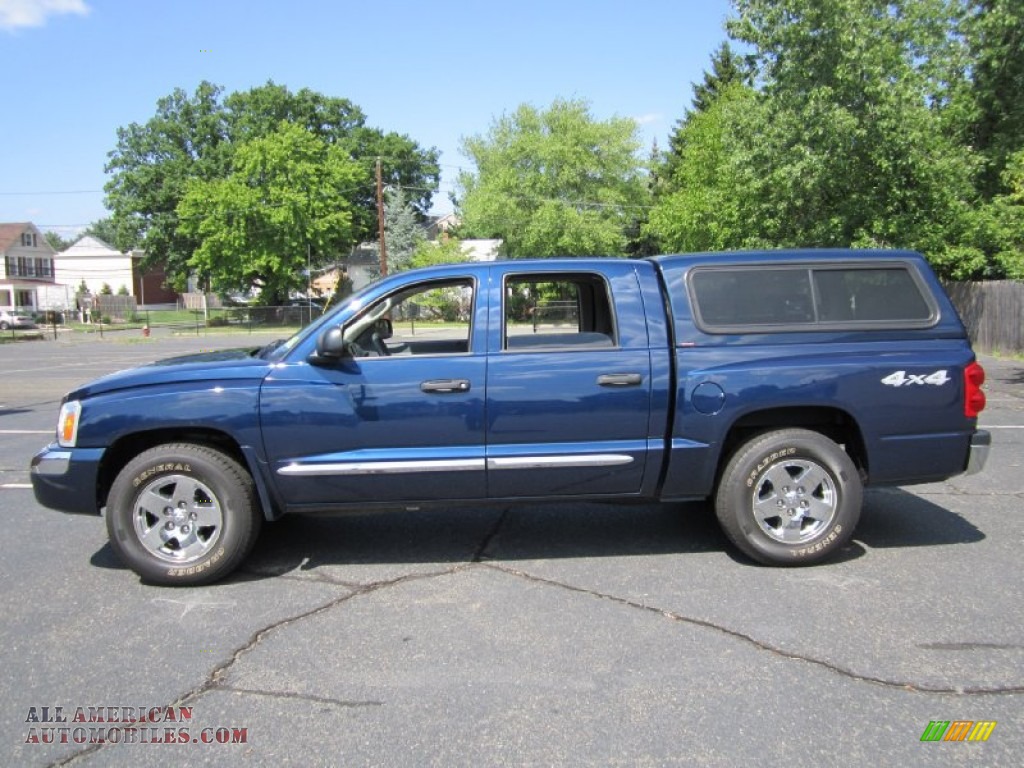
(380, 223)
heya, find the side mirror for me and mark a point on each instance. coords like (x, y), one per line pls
(331, 345)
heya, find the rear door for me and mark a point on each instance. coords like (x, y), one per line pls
(568, 382)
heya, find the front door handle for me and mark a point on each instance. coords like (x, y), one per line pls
(445, 385)
(620, 379)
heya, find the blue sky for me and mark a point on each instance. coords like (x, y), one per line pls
(73, 71)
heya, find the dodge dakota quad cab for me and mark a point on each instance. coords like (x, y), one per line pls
(776, 383)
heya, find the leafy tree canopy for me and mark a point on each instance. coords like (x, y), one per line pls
(994, 33)
(285, 199)
(432, 253)
(710, 190)
(553, 182)
(858, 133)
(195, 137)
(57, 242)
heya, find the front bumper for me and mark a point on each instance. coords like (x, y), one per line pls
(981, 442)
(66, 478)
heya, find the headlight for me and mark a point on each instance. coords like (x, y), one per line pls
(67, 424)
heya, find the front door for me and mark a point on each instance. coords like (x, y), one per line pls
(399, 420)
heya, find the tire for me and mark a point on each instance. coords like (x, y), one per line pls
(183, 514)
(789, 497)
(3, 325)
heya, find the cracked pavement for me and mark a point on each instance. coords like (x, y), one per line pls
(571, 634)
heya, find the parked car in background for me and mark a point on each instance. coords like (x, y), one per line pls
(14, 319)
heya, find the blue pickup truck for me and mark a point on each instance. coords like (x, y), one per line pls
(778, 384)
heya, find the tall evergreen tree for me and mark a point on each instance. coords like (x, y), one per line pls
(727, 68)
(403, 232)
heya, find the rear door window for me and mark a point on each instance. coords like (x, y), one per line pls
(557, 312)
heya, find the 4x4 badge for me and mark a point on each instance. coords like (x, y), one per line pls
(904, 379)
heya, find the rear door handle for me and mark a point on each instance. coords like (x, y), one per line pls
(445, 385)
(620, 379)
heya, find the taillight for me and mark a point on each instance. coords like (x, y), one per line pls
(974, 398)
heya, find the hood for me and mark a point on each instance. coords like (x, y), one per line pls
(222, 365)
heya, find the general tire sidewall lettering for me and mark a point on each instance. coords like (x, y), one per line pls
(226, 478)
(748, 466)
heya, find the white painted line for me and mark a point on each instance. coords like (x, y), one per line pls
(26, 431)
(994, 426)
(15, 485)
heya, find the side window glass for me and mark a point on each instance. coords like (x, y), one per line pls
(753, 297)
(428, 319)
(869, 295)
(557, 312)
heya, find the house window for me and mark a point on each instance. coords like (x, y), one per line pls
(44, 268)
(28, 239)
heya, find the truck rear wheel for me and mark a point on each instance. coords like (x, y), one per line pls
(789, 497)
(183, 514)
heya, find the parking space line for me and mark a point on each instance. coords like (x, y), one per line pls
(25, 431)
(13, 486)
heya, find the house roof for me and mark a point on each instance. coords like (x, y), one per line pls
(11, 233)
(92, 247)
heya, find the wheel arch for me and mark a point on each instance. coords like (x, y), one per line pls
(834, 423)
(125, 448)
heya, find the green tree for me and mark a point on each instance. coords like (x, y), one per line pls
(994, 31)
(431, 253)
(337, 121)
(553, 182)
(107, 231)
(57, 242)
(152, 165)
(194, 138)
(854, 148)
(727, 69)
(1002, 221)
(403, 231)
(707, 200)
(284, 199)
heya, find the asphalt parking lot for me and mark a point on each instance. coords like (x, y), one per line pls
(532, 636)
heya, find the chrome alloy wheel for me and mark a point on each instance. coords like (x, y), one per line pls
(795, 500)
(177, 518)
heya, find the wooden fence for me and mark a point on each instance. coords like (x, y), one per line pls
(993, 312)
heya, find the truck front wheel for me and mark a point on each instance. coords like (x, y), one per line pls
(182, 514)
(789, 497)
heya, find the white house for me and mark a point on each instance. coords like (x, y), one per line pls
(26, 266)
(97, 264)
(93, 262)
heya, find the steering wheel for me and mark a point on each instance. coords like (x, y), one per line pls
(378, 345)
